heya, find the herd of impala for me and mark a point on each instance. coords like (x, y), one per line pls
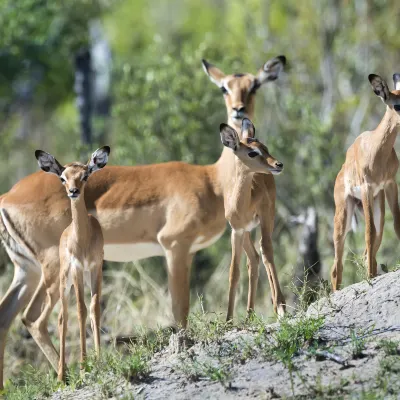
(140, 212)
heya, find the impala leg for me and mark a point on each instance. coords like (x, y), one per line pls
(178, 264)
(95, 281)
(237, 237)
(370, 231)
(37, 313)
(379, 222)
(267, 254)
(62, 322)
(253, 260)
(342, 224)
(266, 214)
(391, 192)
(17, 297)
(77, 278)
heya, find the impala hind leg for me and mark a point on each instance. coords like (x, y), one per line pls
(17, 297)
(36, 315)
(391, 191)
(253, 260)
(342, 224)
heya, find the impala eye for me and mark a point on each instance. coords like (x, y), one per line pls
(223, 90)
(253, 154)
(62, 181)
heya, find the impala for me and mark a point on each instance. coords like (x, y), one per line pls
(367, 175)
(81, 249)
(143, 212)
(239, 91)
(251, 157)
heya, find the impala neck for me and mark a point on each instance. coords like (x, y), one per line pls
(386, 132)
(238, 194)
(80, 219)
(226, 170)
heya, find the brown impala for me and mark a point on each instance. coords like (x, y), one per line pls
(367, 176)
(172, 209)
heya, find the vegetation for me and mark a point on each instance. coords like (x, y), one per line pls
(164, 108)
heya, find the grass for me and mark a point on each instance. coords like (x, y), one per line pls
(113, 371)
(357, 344)
(390, 347)
(196, 370)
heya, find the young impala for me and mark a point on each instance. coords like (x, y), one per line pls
(367, 175)
(239, 94)
(143, 213)
(251, 157)
(81, 249)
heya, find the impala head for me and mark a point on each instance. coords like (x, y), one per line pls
(252, 154)
(381, 89)
(239, 89)
(74, 175)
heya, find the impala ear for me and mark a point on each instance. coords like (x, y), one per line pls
(48, 163)
(99, 159)
(229, 137)
(248, 130)
(213, 73)
(271, 69)
(396, 81)
(379, 86)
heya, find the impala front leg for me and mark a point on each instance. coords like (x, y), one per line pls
(237, 237)
(267, 214)
(370, 231)
(253, 260)
(179, 263)
(82, 311)
(96, 278)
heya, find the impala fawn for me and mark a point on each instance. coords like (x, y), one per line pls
(81, 249)
(367, 176)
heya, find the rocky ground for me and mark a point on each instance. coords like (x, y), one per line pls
(353, 353)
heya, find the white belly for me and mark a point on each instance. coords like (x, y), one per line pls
(132, 251)
(139, 251)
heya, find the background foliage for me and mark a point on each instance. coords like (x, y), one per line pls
(164, 108)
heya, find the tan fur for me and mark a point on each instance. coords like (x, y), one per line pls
(367, 175)
(241, 210)
(262, 187)
(171, 204)
(81, 242)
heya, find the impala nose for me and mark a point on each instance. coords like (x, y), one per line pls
(73, 192)
(239, 112)
(278, 165)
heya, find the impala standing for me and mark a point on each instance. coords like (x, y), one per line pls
(239, 94)
(367, 175)
(81, 249)
(143, 213)
(251, 157)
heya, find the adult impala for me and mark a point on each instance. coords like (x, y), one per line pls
(143, 213)
(367, 175)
